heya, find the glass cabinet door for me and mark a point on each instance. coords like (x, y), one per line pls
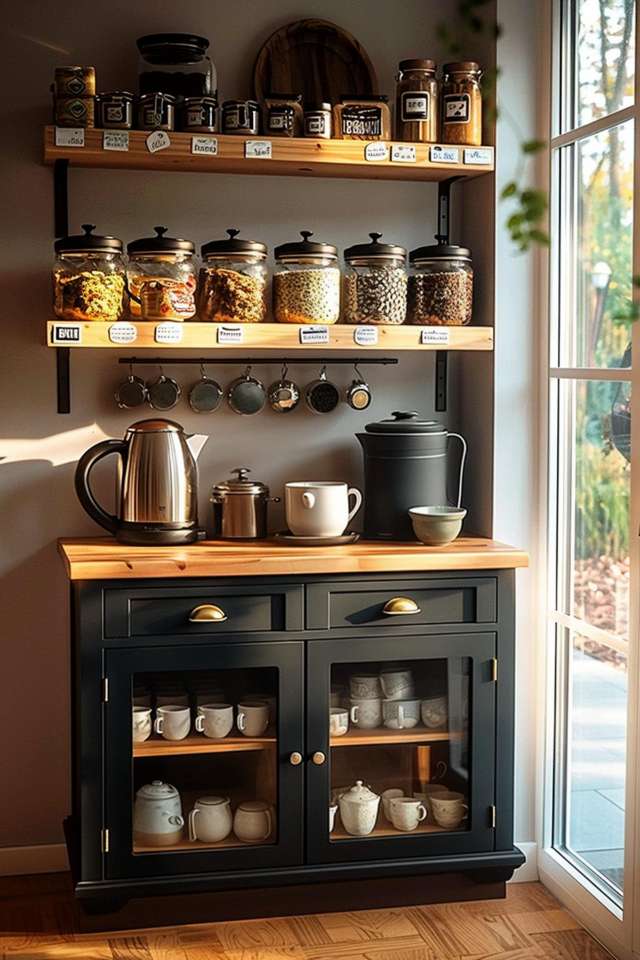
(198, 753)
(402, 739)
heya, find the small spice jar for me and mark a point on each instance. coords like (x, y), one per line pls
(114, 111)
(440, 288)
(306, 282)
(233, 281)
(89, 277)
(462, 103)
(362, 118)
(156, 111)
(317, 120)
(284, 115)
(240, 116)
(417, 102)
(375, 282)
(74, 111)
(198, 115)
(74, 81)
(162, 277)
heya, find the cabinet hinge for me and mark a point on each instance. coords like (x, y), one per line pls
(104, 840)
(105, 689)
(492, 816)
(494, 670)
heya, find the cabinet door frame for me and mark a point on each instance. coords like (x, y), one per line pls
(120, 665)
(480, 648)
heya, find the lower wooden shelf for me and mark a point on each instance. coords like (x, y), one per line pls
(384, 829)
(362, 738)
(200, 845)
(158, 747)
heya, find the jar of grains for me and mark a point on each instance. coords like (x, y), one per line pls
(440, 289)
(375, 282)
(89, 277)
(233, 281)
(306, 282)
(162, 277)
(417, 102)
(462, 103)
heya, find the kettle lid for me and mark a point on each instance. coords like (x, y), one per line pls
(405, 421)
(155, 425)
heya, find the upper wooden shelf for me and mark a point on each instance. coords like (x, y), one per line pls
(158, 747)
(289, 157)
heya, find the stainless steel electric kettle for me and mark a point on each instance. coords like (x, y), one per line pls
(157, 486)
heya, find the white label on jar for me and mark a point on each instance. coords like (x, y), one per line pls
(478, 155)
(168, 332)
(316, 124)
(403, 153)
(230, 333)
(414, 105)
(158, 140)
(435, 336)
(376, 151)
(314, 334)
(123, 332)
(259, 149)
(456, 107)
(115, 140)
(66, 333)
(69, 136)
(204, 145)
(365, 336)
(444, 155)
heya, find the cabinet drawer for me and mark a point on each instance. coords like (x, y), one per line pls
(438, 601)
(259, 608)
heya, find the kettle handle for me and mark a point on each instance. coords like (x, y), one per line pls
(463, 457)
(86, 463)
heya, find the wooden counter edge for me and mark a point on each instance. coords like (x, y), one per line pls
(105, 559)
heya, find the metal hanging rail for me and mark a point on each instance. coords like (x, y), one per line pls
(254, 361)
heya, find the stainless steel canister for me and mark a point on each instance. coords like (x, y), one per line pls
(240, 507)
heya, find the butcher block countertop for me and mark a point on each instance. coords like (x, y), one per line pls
(105, 559)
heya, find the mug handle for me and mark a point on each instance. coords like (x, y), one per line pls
(241, 721)
(192, 825)
(269, 826)
(422, 813)
(158, 724)
(199, 723)
(176, 820)
(354, 492)
(353, 714)
(463, 457)
(309, 500)
(441, 769)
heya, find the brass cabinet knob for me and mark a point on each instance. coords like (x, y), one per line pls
(318, 758)
(295, 759)
(400, 607)
(207, 613)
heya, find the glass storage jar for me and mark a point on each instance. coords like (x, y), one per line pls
(306, 282)
(283, 115)
(176, 63)
(440, 288)
(375, 282)
(462, 103)
(89, 277)
(417, 102)
(233, 281)
(162, 277)
(362, 118)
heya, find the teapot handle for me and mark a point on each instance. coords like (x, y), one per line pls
(463, 457)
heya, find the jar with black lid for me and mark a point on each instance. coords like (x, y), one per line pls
(306, 282)
(375, 282)
(176, 63)
(198, 115)
(232, 285)
(162, 277)
(89, 278)
(462, 103)
(417, 102)
(114, 110)
(240, 117)
(440, 289)
(284, 115)
(156, 111)
(318, 120)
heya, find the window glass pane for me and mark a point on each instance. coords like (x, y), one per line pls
(594, 249)
(604, 57)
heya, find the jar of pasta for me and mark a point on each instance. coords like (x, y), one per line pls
(417, 102)
(462, 103)
(89, 277)
(233, 281)
(306, 282)
(162, 277)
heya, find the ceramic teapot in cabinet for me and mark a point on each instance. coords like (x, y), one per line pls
(157, 815)
(359, 809)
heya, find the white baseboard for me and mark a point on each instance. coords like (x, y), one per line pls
(528, 872)
(42, 858)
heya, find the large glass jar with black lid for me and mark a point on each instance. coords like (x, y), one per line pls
(162, 277)
(89, 277)
(417, 102)
(375, 282)
(440, 290)
(176, 63)
(306, 282)
(232, 284)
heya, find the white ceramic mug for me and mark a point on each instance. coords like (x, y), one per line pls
(140, 724)
(365, 686)
(400, 714)
(407, 813)
(319, 509)
(366, 714)
(253, 718)
(397, 684)
(387, 797)
(215, 720)
(429, 790)
(338, 721)
(435, 712)
(449, 809)
(173, 722)
(210, 820)
(253, 821)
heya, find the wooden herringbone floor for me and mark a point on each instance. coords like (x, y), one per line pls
(36, 923)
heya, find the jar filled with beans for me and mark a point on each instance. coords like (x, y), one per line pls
(306, 282)
(375, 282)
(233, 281)
(440, 289)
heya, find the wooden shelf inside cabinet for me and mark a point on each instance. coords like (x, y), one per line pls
(158, 747)
(198, 846)
(385, 829)
(288, 157)
(269, 336)
(364, 738)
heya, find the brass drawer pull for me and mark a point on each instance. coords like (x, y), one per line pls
(400, 607)
(295, 758)
(207, 613)
(318, 758)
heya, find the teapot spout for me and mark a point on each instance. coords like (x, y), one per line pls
(195, 442)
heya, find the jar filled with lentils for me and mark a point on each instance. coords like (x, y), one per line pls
(440, 289)
(306, 282)
(233, 281)
(375, 282)
(462, 103)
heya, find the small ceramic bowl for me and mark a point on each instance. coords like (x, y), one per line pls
(437, 526)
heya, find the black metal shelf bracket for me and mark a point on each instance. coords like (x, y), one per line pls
(443, 235)
(61, 229)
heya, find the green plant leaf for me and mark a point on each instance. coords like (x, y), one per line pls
(533, 146)
(509, 190)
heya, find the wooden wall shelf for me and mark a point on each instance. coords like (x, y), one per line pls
(289, 157)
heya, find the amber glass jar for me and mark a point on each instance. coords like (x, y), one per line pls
(462, 103)
(417, 102)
